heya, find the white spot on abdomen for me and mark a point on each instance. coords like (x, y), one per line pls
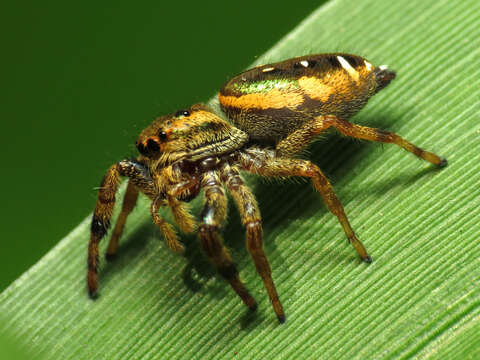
(268, 69)
(346, 65)
(368, 65)
(304, 63)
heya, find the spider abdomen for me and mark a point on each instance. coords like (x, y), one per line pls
(271, 101)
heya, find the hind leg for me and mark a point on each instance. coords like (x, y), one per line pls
(372, 134)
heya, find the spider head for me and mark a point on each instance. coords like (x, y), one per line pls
(188, 134)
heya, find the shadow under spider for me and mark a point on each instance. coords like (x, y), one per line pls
(128, 251)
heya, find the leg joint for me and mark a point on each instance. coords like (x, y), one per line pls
(384, 136)
(254, 235)
(99, 226)
(234, 182)
(228, 271)
(210, 242)
(207, 228)
(253, 224)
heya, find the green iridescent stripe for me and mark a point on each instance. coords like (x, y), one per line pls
(265, 86)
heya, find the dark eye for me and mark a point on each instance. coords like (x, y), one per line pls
(152, 145)
(182, 113)
(141, 149)
(162, 135)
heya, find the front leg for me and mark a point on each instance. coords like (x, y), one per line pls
(213, 216)
(140, 178)
(180, 210)
(129, 201)
(171, 238)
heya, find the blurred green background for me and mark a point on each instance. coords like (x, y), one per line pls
(80, 80)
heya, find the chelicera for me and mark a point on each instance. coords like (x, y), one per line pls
(275, 111)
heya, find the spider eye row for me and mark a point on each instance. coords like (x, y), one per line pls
(152, 144)
(162, 135)
(182, 113)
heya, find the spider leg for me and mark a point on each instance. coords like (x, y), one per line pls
(180, 210)
(129, 201)
(101, 222)
(250, 214)
(267, 164)
(300, 138)
(167, 230)
(372, 134)
(213, 215)
(139, 177)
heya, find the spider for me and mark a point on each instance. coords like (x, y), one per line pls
(275, 110)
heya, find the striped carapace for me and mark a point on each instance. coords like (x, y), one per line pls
(275, 111)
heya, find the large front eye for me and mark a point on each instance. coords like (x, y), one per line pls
(148, 148)
(152, 145)
(141, 148)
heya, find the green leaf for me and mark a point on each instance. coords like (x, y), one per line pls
(421, 296)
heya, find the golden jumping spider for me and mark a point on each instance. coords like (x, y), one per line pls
(276, 110)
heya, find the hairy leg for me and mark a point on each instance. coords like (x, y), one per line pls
(101, 223)
(129, 201)
(180, 210)
(250, 214)
(213, 216)
(140, 178)
(171, 238)
(302, 137)
(265, 163)
(372, 134)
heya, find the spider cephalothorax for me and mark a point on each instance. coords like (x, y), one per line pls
(190, 134)
(276, 111)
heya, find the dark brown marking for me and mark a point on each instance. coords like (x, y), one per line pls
(417, 151)
(381, 135)
(99, 227)
(228, 271)
(235, 182)
(105, 197)
(333, 61)
(354, 61)
(209, 163)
